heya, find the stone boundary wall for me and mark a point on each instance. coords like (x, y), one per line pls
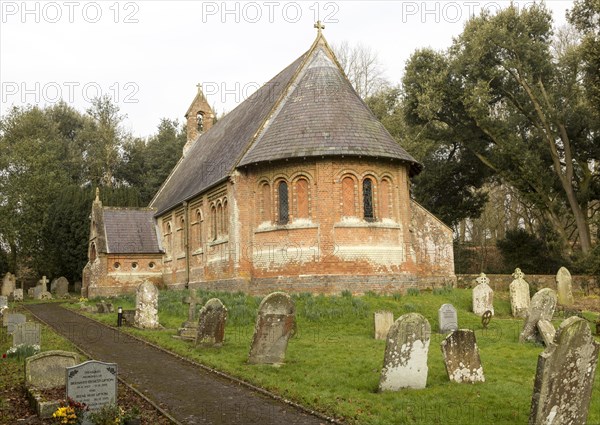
(501, 282)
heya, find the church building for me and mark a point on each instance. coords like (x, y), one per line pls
(299, 188)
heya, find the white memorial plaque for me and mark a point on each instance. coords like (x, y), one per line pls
(93, 383)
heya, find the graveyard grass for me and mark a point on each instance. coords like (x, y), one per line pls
(333, 363)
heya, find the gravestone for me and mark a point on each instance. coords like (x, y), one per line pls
(564, 287)
(47, 369)
(447, 318)
(53, 285)
(17, 294)
(565, 375)
(519, 295)
(31, 292)
(28, 333)
(461, 356)
(146, 306)
(547, 332)
(211, 323)
(189, 328)
(383, 322)
(274, 326)
(77, 287)
(9, 284)
(40, 292)
(405, 359)
(542, 307)
(483, 296)
(104, 307)
(13, 319)
(3, 301)
(93, 383)
(61, 287)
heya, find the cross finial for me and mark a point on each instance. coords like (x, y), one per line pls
(199, 85)
(319, 26)
(482, 279)
(518, 274)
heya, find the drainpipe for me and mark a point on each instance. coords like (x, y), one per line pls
(186, 244)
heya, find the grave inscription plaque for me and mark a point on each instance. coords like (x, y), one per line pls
(93, 383)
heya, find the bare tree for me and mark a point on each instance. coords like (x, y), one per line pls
(362, 67)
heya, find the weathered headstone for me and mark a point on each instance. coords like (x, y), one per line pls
(9, 284)
(565, 375)
(547, 332)
(61, 287)
(542, 307)
(11, 320)
(93, 383)
(383, 322)
(3, 301)
(47, 369)
(31, 292)
(275, 323)
(405, 360)
(146, 306)
(211, 323)
(447, 318)
(519, 295)
(28, 333)
(483, 296)
(564, 286)
(40, 292)
(189, 328)
(461, 356)
(17, 294)
(104, 307)
(77, 287)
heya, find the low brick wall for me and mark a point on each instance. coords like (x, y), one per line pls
(501, 282)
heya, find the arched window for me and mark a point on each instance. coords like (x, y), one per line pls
(219, 219)
(167, 238)
(265, 207)
(92, 252)
(348, 197)
(368, 208)
(200, 120)
(385, 199)
(225, 218)
(213, 221)
(284, 207)
(199, 219)
(302, 210)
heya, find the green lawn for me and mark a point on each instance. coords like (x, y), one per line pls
(333, 363)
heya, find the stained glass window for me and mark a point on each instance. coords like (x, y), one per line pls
(284, 208)
(369, 212)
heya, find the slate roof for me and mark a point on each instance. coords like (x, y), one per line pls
(130, 231)
(308, 110)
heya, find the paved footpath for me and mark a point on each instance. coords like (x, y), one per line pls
(189, 393)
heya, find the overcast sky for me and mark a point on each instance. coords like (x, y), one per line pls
(150, 55)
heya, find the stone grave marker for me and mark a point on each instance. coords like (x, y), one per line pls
(383, 322)
(519, 295)
(13, 319)
(405, 360)
(77, 287)
(189, 328)
(274, 326)
(9, 284)
(483, 296)
(93, 383)
(461, 356)
(565, 376)
(104, 307)
(542, 307)
(211, 323)
(61, 287)
(546, 331)
(447, 318)
(31, 292)
(564, 286)
(3, 301)
(40, 292)
(28, 333)
(17, 294)
(146, 306)
(47, 369)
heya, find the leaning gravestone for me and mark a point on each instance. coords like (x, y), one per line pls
(9, 284)
(28, 333)
(93, 383)
(17, 294)
(13, 319)
(61, 287)
(405, 360)
(189, 328)
(461, 357)
(519, 295)
(447, 318)
(47, 369)
(546, 331)
(542, 307)
(565, 375)
(211, 323)
(146, 306)
(274, 326)
(483, 296)
(564, 286)
(383, 322)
